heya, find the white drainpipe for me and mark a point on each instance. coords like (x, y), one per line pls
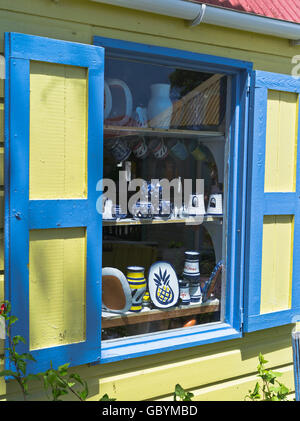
(196, 13)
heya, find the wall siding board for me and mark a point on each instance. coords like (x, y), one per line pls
(212, 371)
(234, 389)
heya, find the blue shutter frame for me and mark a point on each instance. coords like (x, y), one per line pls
(22, 214)
(261, 203)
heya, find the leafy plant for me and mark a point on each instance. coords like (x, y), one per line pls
(60, 382)
(181, 395)
(18, 361)
(271, 389)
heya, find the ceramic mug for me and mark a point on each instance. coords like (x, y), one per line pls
(140, 149)
(196, 151)
(118, 148)
(158, 148)
(178, 149)
(137, 283)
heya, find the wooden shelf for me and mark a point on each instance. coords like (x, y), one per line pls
(131, 221)
(148, 131)
(114, 320)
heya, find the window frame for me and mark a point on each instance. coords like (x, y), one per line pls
(231, 328)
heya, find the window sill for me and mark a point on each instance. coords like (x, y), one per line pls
(121, 349)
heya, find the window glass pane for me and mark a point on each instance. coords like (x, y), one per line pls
(163, 207)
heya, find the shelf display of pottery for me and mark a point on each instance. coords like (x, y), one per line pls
(160, 291)
(164, 124)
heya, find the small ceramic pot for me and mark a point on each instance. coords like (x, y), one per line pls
(191, 271)
(137, 283)
(184, 293)
(146, 301)
(215, 204)
(118, 148)
(196, 205)
(195, 293)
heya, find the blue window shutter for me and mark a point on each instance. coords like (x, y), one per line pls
(268, 209)
(23, 215)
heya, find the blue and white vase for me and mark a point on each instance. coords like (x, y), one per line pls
(138, 284)
(191, 271)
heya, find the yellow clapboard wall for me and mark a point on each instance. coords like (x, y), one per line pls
(221, 371)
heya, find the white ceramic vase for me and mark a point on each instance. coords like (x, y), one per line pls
(160, 106)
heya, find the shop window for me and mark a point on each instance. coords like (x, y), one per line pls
(164, 123)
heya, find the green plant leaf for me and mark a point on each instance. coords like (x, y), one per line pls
(106, 398)
(12, 320)
(262, 359)
(63, 369)
(77, 378)
(16, 339)
(27, 356)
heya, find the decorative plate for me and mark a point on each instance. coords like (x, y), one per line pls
(116, 293)
(163, 285)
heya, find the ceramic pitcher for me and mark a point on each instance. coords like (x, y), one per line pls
(160, 106)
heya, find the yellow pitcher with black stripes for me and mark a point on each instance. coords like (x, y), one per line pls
(137, 283)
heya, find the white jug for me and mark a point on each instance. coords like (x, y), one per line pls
(160, 106)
